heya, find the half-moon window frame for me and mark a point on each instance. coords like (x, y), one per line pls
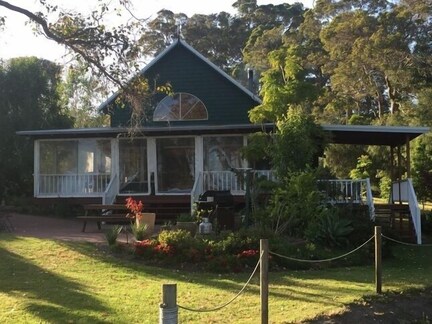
(181, 106)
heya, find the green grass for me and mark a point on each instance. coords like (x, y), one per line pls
(45, 281)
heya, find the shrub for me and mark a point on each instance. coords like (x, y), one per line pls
(112, 234)
(139, 231)
(329, 229)
(179, 239)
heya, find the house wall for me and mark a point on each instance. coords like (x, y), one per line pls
(185, 72)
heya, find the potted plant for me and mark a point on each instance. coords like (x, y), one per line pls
(187, 222)
(141, 219)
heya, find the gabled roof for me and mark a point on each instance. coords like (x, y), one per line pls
(180, 42)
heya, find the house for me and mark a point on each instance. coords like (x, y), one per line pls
(190, 144)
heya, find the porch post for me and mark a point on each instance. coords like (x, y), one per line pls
(36, 165)
(392, 169)
(152, 162)
(115, 165)
(408, 157)
(399, 171)
(199, 156)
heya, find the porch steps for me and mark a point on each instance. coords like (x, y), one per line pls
(166, 208)
(396, 218)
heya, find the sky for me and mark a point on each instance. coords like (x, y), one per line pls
(17, 38)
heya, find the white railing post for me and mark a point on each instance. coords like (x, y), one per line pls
(414, 210)
(197, 189)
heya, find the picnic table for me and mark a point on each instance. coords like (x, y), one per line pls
(115, 214)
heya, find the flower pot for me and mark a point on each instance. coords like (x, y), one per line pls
(188, 226)
(147, 219)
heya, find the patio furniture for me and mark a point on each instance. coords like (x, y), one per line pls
(5, 223)
(101, 213)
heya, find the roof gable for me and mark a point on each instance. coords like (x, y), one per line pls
(189, 71)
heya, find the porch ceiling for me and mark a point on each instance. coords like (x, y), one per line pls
(373, 135)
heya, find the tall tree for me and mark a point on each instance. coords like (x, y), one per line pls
(28, 100)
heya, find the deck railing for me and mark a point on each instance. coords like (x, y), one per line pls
(66, 185)
(348, 191)
(225, 180)
(403, 192)
(111, 191)
(229, 180)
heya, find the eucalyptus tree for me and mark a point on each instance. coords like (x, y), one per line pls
(29, 99)
(110, 52)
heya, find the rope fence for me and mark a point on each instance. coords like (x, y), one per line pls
(202, 310)
(405, 243)
(323, 260)
(169, 307)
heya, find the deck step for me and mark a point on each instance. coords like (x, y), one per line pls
(396, 217)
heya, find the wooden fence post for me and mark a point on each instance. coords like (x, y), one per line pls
(168, 311)
(264, 290)
(378, 259)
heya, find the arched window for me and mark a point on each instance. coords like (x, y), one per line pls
(180, 106)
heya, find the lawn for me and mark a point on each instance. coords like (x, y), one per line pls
(68, 282)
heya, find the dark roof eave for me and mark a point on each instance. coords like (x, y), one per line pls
(111, 132)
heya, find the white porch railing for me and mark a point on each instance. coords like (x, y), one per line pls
(66, 185)
(349, 191)
(197, 190)
(403, 191)
(225, 180)
(229, 180)
(111, 191)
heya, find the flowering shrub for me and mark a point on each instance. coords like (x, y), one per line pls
(136, 208)
(248, 257)
(152, 249)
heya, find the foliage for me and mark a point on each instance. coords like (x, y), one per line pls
(422, 172)
(385, 187)
(134, 206)
(139, 231)
(329, 230)
(187, 217)
(178, 239)
(28, 100)
(362, 170)
(297, 144)
(258, 150)
(81, 91)
(294, 204)
(112, 234)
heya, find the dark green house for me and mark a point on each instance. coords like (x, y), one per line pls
(190, 141)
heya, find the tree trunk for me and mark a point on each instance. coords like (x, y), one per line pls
(392, 92)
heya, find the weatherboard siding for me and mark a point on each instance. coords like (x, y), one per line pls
(226, 103)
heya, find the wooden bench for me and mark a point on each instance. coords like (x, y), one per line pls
(100, 213)
(114, 219)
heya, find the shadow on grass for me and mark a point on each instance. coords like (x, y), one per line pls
(284, 285)
(50, 297)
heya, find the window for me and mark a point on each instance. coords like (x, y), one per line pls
(133, 165)
(180, 106)
(221, 153)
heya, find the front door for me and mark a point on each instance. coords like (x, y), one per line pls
(175, 164)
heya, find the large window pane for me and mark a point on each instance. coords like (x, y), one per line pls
(58, 157)
(176, 164)
(133, 166)
(221, 153)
